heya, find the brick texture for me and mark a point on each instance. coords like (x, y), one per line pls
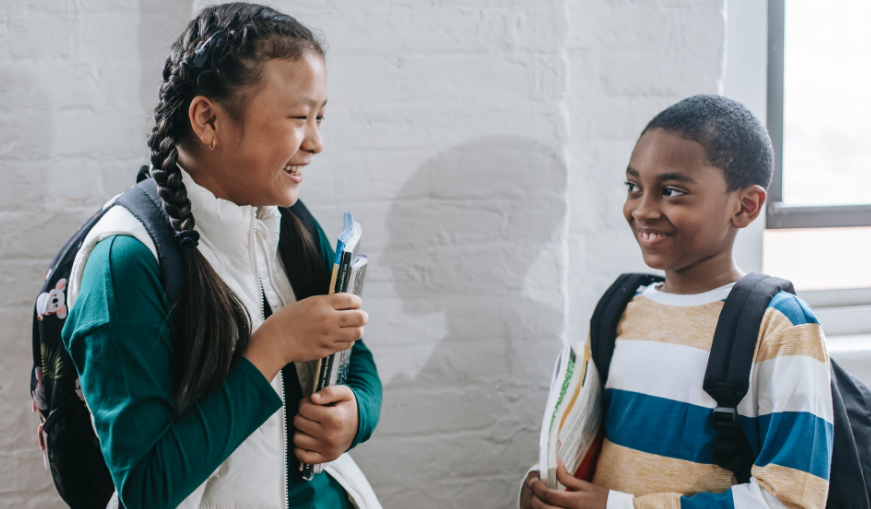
(480, 143)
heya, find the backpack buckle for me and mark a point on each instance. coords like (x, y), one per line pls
(724, 418)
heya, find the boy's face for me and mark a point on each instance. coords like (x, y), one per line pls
(677, 204)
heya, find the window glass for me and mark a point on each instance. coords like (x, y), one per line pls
(827, 102)
(819, 258)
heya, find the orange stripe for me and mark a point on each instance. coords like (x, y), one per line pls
(805, 339)
(692, 326)
(792, 487)
(657, 501)
(631, 471)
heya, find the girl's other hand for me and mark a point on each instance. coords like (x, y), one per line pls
(581, 494)
(326, 425)
(307, 330)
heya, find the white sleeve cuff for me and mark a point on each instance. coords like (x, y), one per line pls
(619, 500)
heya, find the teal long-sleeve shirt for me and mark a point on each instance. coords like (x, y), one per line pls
(119, 338)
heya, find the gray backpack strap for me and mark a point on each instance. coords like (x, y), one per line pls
(144, 203)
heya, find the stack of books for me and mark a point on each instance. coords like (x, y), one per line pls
(349, 272)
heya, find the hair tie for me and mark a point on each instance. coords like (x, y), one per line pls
(205, 50)
(188, 239)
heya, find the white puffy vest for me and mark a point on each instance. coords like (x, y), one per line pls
(241, 244)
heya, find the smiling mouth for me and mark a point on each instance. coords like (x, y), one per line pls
(647, 238)
(293, 169)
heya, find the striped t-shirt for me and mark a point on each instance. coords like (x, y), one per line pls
(659, 438)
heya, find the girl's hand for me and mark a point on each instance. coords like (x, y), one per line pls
(307, 330)
(526, 492)
(581, 494)
(325, 425)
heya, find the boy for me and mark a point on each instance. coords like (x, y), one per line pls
(698, 173)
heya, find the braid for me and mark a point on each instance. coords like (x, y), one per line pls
(167, 175)
(220, 55)
(163, 142)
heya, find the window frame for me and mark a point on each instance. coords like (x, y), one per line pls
(843, 312)
(779, 214)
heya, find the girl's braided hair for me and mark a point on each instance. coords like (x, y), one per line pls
(220, 55)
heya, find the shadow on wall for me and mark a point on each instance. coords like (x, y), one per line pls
(475, 239)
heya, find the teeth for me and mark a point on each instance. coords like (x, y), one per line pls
(293, 170)
(650, 236)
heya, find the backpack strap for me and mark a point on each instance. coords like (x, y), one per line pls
(727, 377)
(307, 276)
(143, 173)
(302, 213)
(144, 203)
(606, 317)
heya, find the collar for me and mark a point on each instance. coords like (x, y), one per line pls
(228, 229)
(654, 293)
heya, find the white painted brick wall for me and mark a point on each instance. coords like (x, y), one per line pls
(77, 82)
(480, 142)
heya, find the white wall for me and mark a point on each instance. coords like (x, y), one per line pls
(77, 82)
(746, 80)
(482, 143)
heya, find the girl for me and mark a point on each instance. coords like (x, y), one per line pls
(185, 401)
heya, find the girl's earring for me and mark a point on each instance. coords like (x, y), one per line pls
(214, 144)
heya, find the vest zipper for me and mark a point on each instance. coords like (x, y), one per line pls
(257, 271)
(255, 241)
(286, 447)
(270, 275)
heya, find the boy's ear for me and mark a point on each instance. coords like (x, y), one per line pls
(203, 114)
(751, 202)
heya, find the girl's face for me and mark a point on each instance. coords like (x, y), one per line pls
(261, 160)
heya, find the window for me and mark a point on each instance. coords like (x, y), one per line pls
(818, 231)
(819, 113)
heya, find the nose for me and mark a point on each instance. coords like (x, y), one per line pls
(647, 208)
(313, 142)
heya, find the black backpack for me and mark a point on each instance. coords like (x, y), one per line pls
(71, 446)
(727, 380)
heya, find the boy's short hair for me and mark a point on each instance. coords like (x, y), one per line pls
(734, 139)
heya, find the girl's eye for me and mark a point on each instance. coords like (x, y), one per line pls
(671, 192)
(319, 118)
(632, 187)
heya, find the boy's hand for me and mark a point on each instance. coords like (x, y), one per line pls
(581, 494)
(325, 425)
(526, 492)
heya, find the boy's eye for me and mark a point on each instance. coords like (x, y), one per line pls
(671, 192)
(320, 118)
(632, 187)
